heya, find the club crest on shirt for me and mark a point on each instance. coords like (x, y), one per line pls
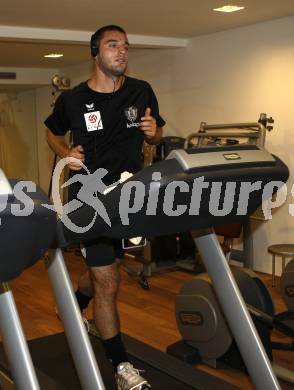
(131, 114)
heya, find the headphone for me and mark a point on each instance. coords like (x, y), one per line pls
(94, 45)
(94, 50)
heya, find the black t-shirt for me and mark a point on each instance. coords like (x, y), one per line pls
(106, 124)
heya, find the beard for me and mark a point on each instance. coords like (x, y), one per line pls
(118, 71)
(112, 70)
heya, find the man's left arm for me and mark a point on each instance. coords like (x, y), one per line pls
(148, 125)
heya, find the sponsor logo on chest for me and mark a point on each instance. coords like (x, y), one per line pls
(93, 121)
(92, 118)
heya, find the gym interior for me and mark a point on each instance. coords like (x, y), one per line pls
(211, 73)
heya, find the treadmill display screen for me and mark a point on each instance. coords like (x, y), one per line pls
(232, 156)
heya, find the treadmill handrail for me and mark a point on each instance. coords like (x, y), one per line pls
(255, 130)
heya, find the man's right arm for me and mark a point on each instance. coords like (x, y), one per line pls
(59, 146)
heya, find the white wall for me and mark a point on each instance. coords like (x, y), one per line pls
(226, 77)
(78, 73)
(24, 153)
(18, 138)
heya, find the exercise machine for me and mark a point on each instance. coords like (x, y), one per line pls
(248, 163)
(173, 184)
(206, 335)
(218, 136)
(50, 366)
(287, 285)
(27, 230)
(33, 236)
(225, 134)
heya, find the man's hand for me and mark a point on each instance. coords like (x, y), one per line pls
(58, 144)
(148, 124)
(77, 152)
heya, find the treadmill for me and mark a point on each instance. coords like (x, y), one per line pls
(27, 230)
(67, 360)
(174, 185)
(23, 240)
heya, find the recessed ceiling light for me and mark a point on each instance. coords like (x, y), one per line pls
(228, 8)
(53, 55)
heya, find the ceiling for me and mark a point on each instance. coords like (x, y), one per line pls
(30, 29)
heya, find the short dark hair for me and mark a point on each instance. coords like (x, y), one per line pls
(98, 35)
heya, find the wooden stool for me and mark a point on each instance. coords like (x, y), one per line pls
(283, 250)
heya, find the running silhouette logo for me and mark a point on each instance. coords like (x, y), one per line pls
(133, 195)
(91, 185)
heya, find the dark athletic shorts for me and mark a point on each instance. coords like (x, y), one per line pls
(103, 250)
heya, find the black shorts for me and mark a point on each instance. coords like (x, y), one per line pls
(103, 251)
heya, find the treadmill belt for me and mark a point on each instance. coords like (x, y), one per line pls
(51, 355)
(52, 360)
(157, 378)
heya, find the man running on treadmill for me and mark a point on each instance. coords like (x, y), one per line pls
(109, 116)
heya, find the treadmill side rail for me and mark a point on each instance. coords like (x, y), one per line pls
(15, 344)
(77, 336)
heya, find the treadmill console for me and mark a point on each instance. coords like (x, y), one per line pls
(234, 156)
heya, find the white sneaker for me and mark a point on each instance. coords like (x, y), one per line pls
(129, 378)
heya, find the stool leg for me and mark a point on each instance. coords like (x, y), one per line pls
(273, 269)
(283, 263)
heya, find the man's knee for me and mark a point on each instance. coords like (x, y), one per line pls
(105, 280)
